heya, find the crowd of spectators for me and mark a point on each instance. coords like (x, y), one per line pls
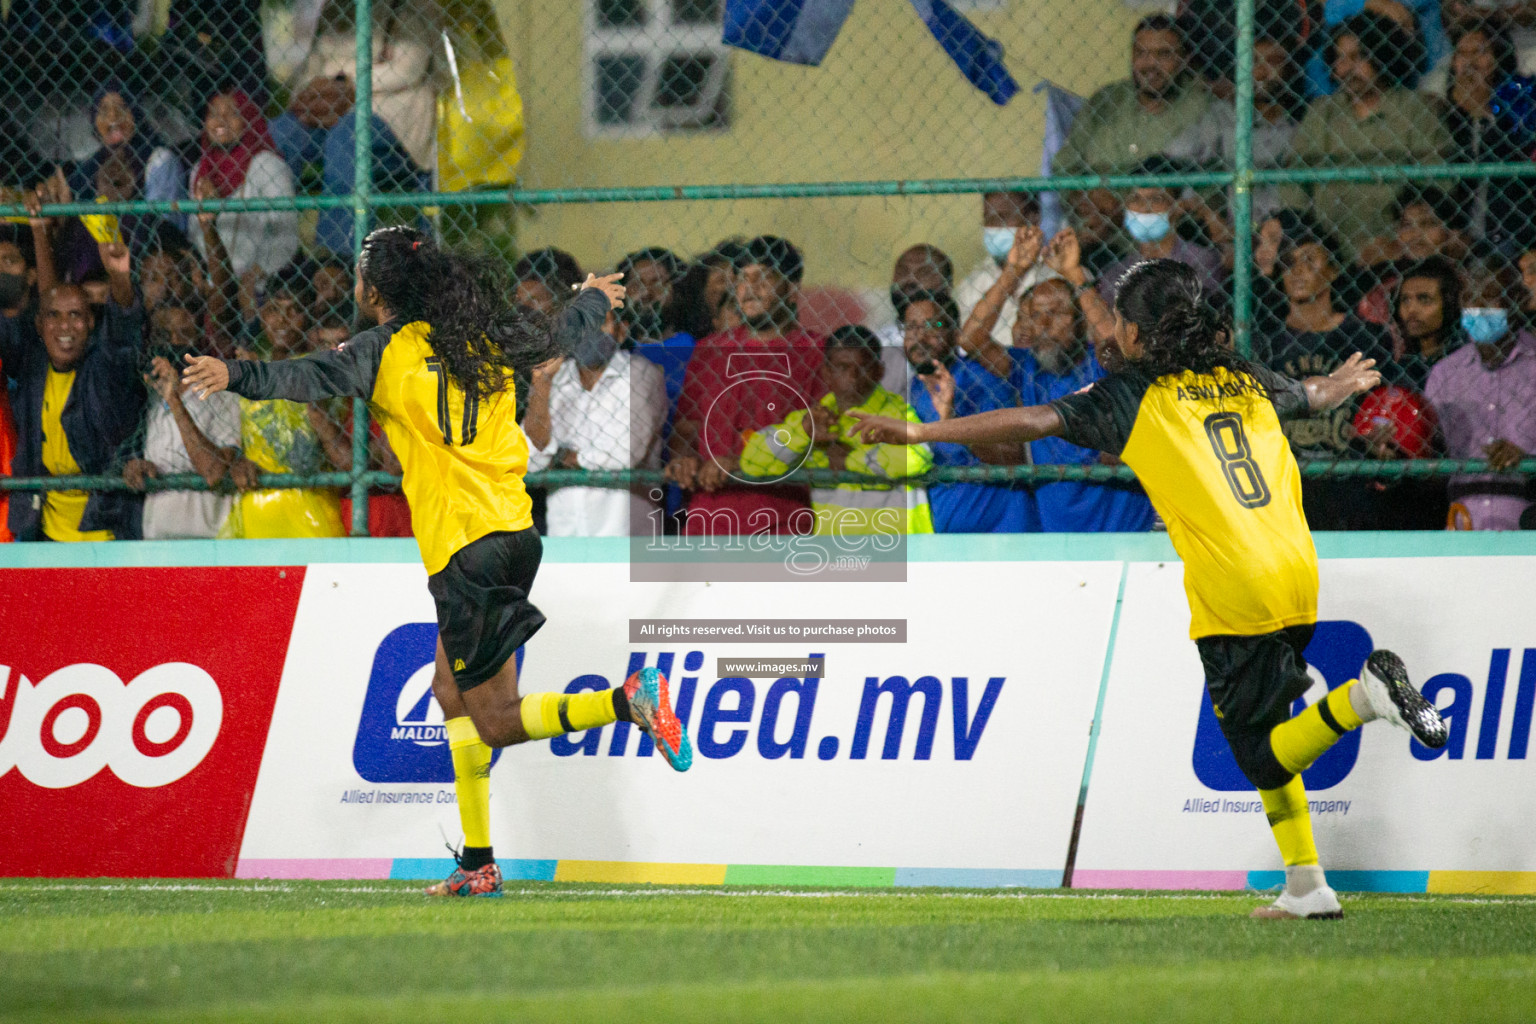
(711, 374)
(1431, 278)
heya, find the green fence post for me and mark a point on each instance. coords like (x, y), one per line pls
(1242, 185)
(362, 186)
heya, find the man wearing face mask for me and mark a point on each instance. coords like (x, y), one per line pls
(1485, 396)
(1129, 121)
(602, 408)
(78, 397)
(1002, 215)
(17, 271)
(1149, 224)
(1051, 356)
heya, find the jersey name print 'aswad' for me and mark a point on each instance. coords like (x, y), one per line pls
(462, 457)
(1211, 454)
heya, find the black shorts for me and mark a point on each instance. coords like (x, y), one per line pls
(1253, 681)
(483, 612)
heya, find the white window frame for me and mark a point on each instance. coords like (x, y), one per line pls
(656, 40)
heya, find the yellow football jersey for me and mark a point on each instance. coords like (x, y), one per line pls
(463, 457)
(1211, 454)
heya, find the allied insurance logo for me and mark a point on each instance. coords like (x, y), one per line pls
(401, 737)
(1337, 651)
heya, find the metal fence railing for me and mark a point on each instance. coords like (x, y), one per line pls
(654, 80)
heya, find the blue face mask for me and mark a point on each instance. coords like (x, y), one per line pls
(998, 241)
(1484, 325)
(1147, 227)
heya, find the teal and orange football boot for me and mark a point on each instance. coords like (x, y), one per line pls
(485, 881)
(650, 707)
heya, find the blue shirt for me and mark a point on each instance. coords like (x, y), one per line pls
(1074, 506)
(672, 355)
(973, 507)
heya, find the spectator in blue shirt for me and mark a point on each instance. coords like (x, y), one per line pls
(946, 385)
(1057, 362)
(1050, 359)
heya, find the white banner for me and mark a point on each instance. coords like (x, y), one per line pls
(981, 780)
(1167, 807)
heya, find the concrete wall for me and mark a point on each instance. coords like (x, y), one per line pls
(886, 103)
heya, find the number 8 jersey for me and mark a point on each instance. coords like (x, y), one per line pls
(462, 457)
(1209, 450)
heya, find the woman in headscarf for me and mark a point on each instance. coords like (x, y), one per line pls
(132, 162)
(239, 161)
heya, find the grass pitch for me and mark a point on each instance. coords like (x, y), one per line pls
(378, 951)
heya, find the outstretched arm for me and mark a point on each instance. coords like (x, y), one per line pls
(1356, 376)
(347, 371)
(1027, 423)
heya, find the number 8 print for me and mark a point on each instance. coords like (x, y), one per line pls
(1230, 443)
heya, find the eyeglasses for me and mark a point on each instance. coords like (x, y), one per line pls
(928, 325)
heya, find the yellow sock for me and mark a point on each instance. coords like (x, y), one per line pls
(551, 714)
(471, 780)
(1343, 710)
(1289, 819)
(1303, 739)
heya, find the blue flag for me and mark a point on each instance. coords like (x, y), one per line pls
(797, 31)
(802, 31)
(1061, 107)
(979, 59)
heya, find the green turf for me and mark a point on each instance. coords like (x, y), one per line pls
(377, 951)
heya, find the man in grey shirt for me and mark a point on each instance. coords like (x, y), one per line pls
(1277, 109)
(1126, 122)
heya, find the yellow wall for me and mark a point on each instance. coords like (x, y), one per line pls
(886, 103)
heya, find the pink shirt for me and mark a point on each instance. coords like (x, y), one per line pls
(1478, 406)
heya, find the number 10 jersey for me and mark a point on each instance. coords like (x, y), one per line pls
(1209, 450)
(462, 457)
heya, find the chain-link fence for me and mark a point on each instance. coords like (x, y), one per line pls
(915, 208)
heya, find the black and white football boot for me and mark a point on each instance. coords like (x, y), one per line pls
(1396, 700)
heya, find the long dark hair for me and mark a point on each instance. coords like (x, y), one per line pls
(1177, 328)
(461, 296)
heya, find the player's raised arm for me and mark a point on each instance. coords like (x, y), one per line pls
(1356, 376)
(1030, 423)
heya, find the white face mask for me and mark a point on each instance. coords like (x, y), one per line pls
(1485, 325)
(1147, 227)
(998, 241)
